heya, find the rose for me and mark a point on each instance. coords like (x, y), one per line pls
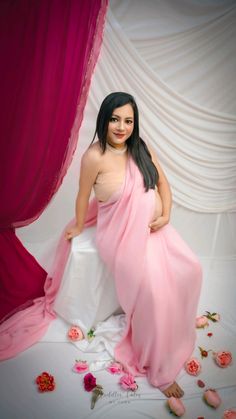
(193, 367)
(80, 366)
(212, 398)
(128, 383)
(201, 322)
(223, 358)
(229, 414)
(203, 352)
(75, 333)
(176, 406)
(45, 382)
(89, 382)
(115, 368)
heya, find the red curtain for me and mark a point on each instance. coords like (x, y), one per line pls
(48, 52)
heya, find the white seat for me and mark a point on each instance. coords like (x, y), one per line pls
(87, 293)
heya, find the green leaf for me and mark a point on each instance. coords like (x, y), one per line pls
(90, 333)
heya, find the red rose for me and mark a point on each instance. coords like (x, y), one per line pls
(45, 382)
(89, 382)
(204, 353)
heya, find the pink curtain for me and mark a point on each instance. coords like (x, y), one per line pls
(48, 52)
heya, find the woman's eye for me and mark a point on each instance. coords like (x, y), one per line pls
(113, 119)
(129, 121)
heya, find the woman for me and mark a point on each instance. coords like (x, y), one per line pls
(157, 276)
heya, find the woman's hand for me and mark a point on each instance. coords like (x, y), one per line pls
(158, 223)
(72, 232)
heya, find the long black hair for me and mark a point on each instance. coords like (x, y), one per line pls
(136, 146)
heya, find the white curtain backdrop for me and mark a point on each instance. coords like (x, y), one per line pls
(178, 58)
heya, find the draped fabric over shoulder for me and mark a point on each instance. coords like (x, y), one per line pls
(158, 281)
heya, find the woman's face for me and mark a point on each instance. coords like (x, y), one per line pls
(120, 126)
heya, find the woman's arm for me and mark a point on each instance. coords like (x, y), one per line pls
(165, 194)
(89, 169)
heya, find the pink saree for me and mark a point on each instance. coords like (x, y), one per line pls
(157, 278)
(158, 281)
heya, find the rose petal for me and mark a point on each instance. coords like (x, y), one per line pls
(200, 383)
(212, 398)
(176, 406)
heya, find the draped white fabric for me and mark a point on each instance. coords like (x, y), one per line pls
(179, 62)
(189, 44)
(196, 144)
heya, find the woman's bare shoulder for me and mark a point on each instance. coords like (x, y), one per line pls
(93, 154)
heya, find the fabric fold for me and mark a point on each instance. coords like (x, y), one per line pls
(158, 281)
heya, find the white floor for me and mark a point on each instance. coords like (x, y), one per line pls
(20, 399)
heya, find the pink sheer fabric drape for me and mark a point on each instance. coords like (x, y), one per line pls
(27, 326)
(158, 280)
(48, 52)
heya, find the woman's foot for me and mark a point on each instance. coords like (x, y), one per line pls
(173, 390)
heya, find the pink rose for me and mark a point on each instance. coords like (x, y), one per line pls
(89, 382)
(128, 383)
(176, 406)
(201, 322)
(193, 367)
(223, 358)
(115, 368)
(80, 366)
(229, 414)
(75, 333)
(212, 398)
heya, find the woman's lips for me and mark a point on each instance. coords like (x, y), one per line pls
(119, 135)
